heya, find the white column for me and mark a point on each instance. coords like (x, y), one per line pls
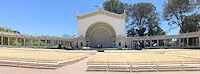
(130, 43)
(164, 42)
(8, 41)
(157, 42)
(196, 43)
(199, 41)
(58, 42)
(151, 43)
(46, 43)
(65, 43)
(2, 40)
(144, 43)
(31, 42)
(69, 45)
(52, 43)
(24, 42)
(38, 42)
(16, 41)
(187, 41)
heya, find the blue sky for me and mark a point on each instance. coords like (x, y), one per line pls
(54, 17)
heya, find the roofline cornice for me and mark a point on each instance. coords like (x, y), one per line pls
(101, 11)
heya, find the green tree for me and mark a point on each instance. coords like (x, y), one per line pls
(42, 43)
(115, 6)
(198, 3)
(190, 24)
(2, 29)
(176, 10)
(144, 17)
(153, 26)
(8, 30)
(35, 43)
(140, 17)
(131, 32)
(157, 30)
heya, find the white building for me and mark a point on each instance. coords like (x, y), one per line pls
(107, 29)
(101, 27)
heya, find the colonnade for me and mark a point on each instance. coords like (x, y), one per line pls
(185, 40)
(19, 40)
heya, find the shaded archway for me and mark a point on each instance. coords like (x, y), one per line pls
(100, 33)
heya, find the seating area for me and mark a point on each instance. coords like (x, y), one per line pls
(145, 60)
(40, 58)
(109, 60)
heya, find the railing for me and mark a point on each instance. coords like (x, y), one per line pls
(178, 47)
(184, 35)
(38, 64)
(144, 66)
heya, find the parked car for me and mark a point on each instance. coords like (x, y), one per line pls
(86, 48)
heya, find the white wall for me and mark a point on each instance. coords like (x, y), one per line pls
(117, 24)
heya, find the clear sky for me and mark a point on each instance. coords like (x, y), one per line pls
(54, 17)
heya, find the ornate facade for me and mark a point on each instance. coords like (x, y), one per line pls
(101, 28)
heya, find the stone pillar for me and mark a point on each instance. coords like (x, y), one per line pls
(151, 43)
(158, 43)
(196, 43)
(179, 40)
(199, 41)
(46, 42)
(187, 41)
(69, 44)
(64, 43)
(164, 42)
(130, 44)
(52, 43)
(38, 42)
(144, 43)
(8, 41)
(31, 42)
(1, 40)
(24, 41)
(16, 41)
(58, 42)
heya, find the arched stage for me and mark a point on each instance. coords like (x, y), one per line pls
(100, 33)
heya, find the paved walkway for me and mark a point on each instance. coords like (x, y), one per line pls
(77, 68)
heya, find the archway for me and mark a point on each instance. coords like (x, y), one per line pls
(101, 37)
(100, 33)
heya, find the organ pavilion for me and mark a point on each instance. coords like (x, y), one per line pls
(103, 28)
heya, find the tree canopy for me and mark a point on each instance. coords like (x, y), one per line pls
(198, 3)
(190, 23)
(145, 17)
(8, 30)
(176, 10)
(115, 6)
(141, 17)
